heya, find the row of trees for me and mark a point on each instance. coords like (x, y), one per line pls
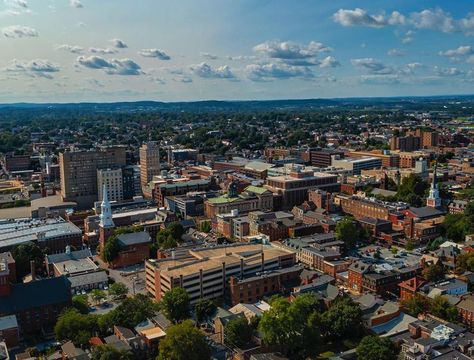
(299, 328)
(439, 306)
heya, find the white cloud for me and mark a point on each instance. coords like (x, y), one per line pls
(119, 44)
(19, 31)
(395, 52)
(288, 50)
(373, 66)
(271, 71)
(75, 49)
(359, 17)
(329, 62)
(459, 51)
(14, 8)
(155, 53)
(76, 4)
(436, 19)
(208, 56)
(408, 37)
(453, 71)
(112, 66)
(204, 70)
(35, 68)
(103, 51)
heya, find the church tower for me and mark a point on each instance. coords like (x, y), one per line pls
(433, 199)
(106, 224)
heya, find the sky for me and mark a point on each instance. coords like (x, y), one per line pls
(184, 50)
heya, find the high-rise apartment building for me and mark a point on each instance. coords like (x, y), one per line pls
(149, 162)
(405, 143)
(78, 171)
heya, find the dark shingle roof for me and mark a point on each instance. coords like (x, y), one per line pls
(36, 294)
(134, 238)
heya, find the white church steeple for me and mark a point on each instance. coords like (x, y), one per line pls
(433, 199)
(105, 211)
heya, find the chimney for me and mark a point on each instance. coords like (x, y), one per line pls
(33, 270)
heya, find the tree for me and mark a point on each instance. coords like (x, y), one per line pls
(416, 305)
(184, 341)
(342, 320)
(175, 304)
(23, 255)
(346, 230)
(292, 326)
(434, 272)
(111, 249)
(77, 327)
(118, 289)
(238, 332)
(376, 348)
(205, 226)
(98, 295)
(130, 312)
(203, 309)
(176, 230)
(107, 352)
(464, 262)
(441, 308)
(412, 190)
(80, 303)
(410, 246)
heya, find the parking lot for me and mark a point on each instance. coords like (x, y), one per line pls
(133, 277)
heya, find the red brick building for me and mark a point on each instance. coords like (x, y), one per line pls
(410, 287)
(252, 289)
(134, 249)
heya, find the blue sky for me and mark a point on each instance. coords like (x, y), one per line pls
(114, 50)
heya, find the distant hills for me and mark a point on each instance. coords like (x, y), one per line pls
(215, 105)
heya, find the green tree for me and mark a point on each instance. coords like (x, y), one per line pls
(205, 226)
(107, 352)
(376, 348)
(412, 190)
(441, 308)
(80, 303)
(175, 304)
(23, 255)
(118, 289)
(203, 309)
(434, 272)
(176, 230)
(346, 230)
(77, 327)
(111, 249)
(343, 320)
(130, 312)
(98, 295)
(416, 305)
(294, 327)
(410, 246)
(184, 341)
(238, 332)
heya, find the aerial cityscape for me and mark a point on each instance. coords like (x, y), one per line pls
(236, 180)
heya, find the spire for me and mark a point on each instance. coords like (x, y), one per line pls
(434, 199)
(105, 210)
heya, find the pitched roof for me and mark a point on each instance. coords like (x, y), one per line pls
(36, 294)
(134, 238)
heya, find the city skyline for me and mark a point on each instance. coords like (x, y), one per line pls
(224, 50)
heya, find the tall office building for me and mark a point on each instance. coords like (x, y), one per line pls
(149, 162)
(78, 170)
(113, 179)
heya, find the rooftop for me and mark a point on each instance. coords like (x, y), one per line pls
(17, 231)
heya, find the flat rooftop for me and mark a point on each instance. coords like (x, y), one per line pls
(211, 258)
(17, 231)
